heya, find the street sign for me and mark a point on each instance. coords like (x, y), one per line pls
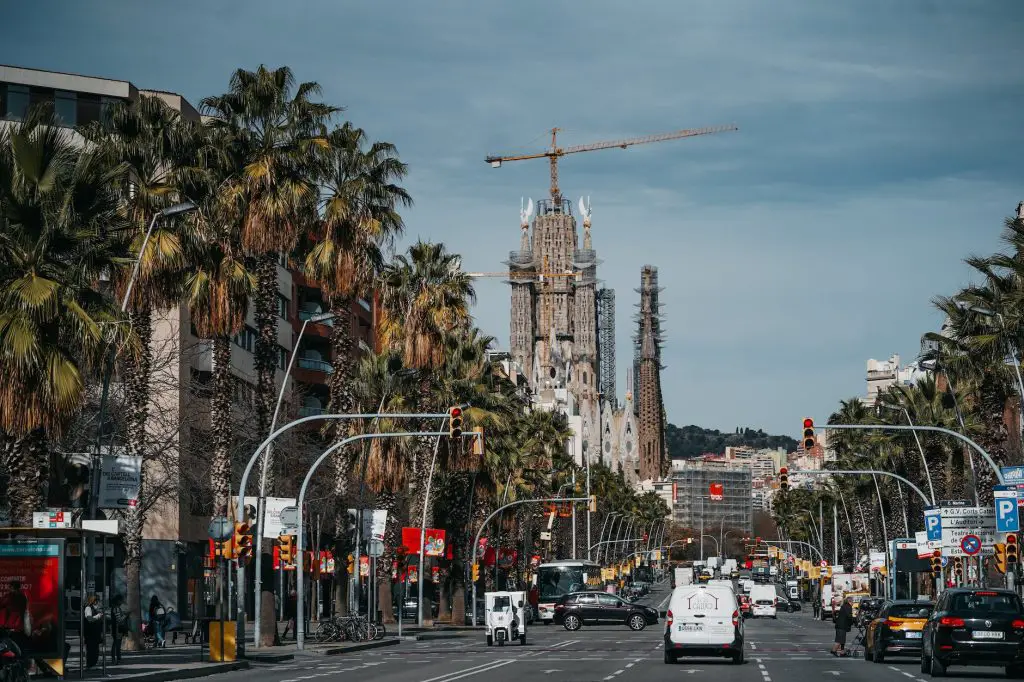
(945, 561)
(220, 529)
(933, 523)
(960, 521)
(375, 548)
(1007, 516)
(971, 545)
(823, 564)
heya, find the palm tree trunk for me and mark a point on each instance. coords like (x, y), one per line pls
(387, 500)
(220, 418)
(265, 315)
(28, 469)
(341, 401)
(138, 371)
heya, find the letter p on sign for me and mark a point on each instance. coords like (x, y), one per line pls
(1007, 518)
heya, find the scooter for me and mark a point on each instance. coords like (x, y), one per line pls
(12, 663)
(505, 617)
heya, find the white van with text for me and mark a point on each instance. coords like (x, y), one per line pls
(703, 620)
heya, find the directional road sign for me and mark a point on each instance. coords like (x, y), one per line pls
(971, 545)
(959, 521)
(1007, 516)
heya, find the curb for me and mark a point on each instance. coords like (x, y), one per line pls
(361, 646)
(270, 658)
(187, 673)
(428, 637)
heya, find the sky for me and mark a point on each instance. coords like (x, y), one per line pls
(879, 144)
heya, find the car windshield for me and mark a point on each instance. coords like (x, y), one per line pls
(910, 610)
(502, 604)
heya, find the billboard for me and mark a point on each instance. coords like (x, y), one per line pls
(120, 478)
(31, 594)
(717, 492)
(433, 538)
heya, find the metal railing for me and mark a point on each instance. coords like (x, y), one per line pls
(316, 365)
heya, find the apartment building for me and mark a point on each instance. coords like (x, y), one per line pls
(175, 533)
(693, 479)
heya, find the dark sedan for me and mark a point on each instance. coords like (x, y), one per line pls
(972, 626)
(599, 607)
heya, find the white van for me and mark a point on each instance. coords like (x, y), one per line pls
(827, 603)
(722, 583)
(703, 620)
(763, 601)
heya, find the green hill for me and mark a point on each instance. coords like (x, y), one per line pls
(692, 441)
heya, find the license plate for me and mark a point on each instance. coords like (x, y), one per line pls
(912, 635)
(987, 634)
(690, 627)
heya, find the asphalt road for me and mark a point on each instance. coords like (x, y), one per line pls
(793, 647)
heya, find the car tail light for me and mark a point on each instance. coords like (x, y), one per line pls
(735, 618)
(668, 618)
(987, 594)
(951, 622)
(7, 653)
(1017, 624)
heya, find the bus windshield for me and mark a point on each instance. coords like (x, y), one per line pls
(554, 582)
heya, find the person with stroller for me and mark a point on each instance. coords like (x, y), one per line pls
(844, 622)
(156, 620)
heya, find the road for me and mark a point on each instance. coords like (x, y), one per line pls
(794, 647)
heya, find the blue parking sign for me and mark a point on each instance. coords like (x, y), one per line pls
(933, 524)
(1007, 517)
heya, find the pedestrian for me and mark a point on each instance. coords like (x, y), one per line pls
(156, 620)
(118, 627)
(844, 622)
(93, 630)
(290, 608)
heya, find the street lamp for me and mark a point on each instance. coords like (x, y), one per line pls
(169, 212)
(920, 449)
(261, 503)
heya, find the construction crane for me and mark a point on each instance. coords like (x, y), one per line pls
(555, 151)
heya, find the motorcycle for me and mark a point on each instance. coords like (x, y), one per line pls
(12, 663)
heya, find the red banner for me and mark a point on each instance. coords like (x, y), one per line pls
(434, 541)
(717, 492)
(31, 592)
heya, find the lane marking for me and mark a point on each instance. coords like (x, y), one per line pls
(466, 672)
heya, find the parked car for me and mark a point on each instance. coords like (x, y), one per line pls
(600, 607)
(971, 626)
(896, 630)
(788, 605)
(744, 602)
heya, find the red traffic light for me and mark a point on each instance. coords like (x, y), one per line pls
(1011, 538)
(455, 412)
(937, 554)
(783, 470)
(808, 423)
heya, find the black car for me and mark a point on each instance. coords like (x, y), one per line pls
(971, 626)
(896, 630)
(599, 607)
(787, 605)
(868, 609)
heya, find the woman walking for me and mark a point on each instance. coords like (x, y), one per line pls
(93, 630)
(156, 620)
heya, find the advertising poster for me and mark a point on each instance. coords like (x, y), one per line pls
(434, 541)
(31, 592)
(717, 492)
(120, 477)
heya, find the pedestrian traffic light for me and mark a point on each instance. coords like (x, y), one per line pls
(1012, 549)
(593, 503)
(455, 422)
(809, 440)
(783, 479)
(287, 549)
(350, 566)
(243, 541)
(937, 563)
(1000, 556)
(476, 572)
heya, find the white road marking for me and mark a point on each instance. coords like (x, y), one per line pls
(467, 672)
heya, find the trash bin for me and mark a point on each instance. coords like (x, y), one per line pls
(223, 646)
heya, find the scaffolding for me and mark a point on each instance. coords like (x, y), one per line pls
(606, 346)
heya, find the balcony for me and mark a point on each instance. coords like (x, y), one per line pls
(305, 315)
(316, 365)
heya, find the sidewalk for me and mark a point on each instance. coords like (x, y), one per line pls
(154, 665)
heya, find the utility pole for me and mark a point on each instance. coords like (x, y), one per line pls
(835, 536)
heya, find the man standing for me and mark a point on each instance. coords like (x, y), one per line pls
(844, 622)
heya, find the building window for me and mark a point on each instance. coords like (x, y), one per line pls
(282, 358)
(65, 106)
(245, 339)
(366, 304)
(282, 307)
(16, 104)
(88, 109)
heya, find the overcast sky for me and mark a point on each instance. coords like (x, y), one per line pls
(880, 142)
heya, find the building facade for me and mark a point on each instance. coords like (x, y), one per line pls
(693, 479)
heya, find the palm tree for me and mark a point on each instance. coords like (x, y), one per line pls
(360, 217)
(153, 146)
(60, 234)
(273, 135)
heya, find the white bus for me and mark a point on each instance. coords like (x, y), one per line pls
(556, 579)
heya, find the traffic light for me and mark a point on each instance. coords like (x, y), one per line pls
(809, 439)
(593, 504)
(243, 541)
(225, 550)
(455, 422)
(287, 549)
(1012, 549)
(350, 565)
(783, 479)
(937, 563)
(476, 572)
(958, 570)
(1000, 556)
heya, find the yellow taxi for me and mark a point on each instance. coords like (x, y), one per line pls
(897, 630)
